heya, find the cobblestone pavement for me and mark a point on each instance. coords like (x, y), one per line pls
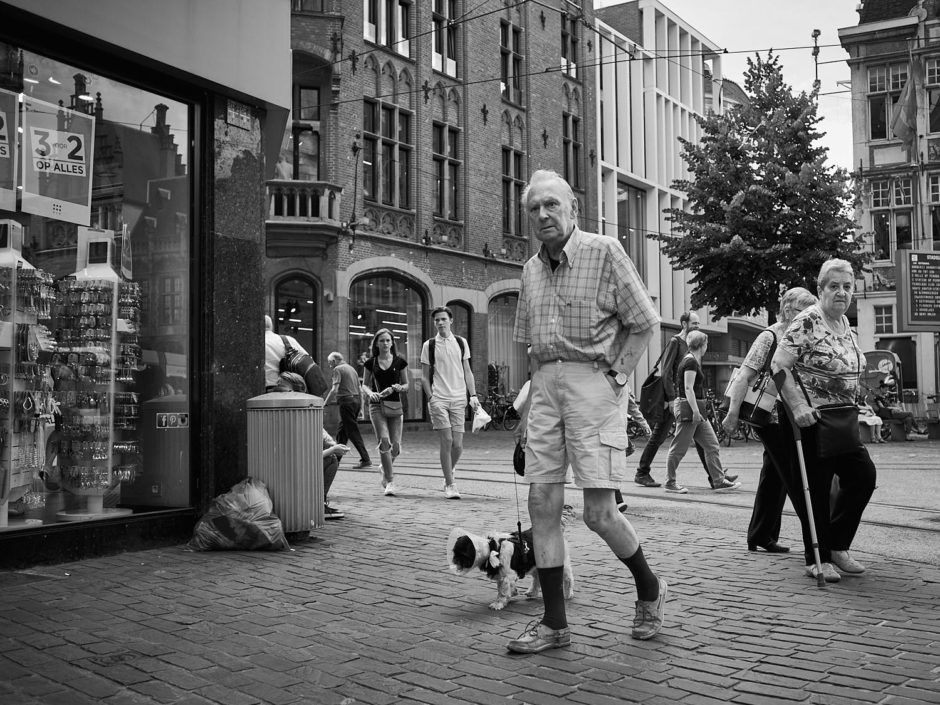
(365, 611)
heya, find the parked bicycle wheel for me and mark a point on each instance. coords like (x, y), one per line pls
(511, 419)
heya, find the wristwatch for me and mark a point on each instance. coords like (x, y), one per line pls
(619, 377)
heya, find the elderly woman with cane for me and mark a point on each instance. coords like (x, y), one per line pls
(774, 482)
(822, 362)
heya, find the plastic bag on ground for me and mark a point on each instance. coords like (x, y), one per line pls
(240, 520)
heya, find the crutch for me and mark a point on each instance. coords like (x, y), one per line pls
(779, 379)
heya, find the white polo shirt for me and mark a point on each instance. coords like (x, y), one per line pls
(449, 383)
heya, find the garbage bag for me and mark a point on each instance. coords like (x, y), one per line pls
(240, 520)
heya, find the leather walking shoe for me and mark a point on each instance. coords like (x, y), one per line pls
(537, 637)
(646, 480)
(770, 547)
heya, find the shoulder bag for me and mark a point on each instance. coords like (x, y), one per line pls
(653, 393)
(836, 425)
(390, 408)
(758, 405)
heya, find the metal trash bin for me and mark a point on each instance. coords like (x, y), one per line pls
(285, 451)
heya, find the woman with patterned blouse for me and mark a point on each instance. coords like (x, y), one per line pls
(821, 351)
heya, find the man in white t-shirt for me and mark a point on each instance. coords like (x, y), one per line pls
(274, 352)
(447, 380)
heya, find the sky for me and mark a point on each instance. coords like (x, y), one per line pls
(746, 26)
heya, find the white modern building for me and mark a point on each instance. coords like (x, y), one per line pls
(656, 73)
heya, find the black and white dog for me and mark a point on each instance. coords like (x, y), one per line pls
(504, 558)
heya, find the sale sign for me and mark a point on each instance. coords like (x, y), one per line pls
(8, 122)
(58, 156)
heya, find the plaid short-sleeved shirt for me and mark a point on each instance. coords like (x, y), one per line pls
(586, 308)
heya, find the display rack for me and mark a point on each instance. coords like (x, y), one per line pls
(26, 349)
(98, 316)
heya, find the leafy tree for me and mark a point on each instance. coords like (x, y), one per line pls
(764, 209)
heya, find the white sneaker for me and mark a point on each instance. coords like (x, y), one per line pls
(450, 492)
(829, 573)
(390, 489)
(846, 563)
(676, 488)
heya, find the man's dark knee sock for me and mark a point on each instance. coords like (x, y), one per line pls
(553, 597)
(647, 585)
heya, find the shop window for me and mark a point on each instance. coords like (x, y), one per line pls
(461, 325)
(386, 301)
(884, 320)
(932, 81)
(506, 357)
(295, 311)
(95, 290)
(444, 33)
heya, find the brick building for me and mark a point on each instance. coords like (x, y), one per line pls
(415, 126)
(894, 58)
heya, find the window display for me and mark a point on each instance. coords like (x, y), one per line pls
(94, 295)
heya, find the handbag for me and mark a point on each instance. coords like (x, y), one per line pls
(653, 394)
(757, 407)
(836, 425)
(305, 366)
(837, 430)
(391, 408)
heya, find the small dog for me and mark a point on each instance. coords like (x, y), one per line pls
(504, 558)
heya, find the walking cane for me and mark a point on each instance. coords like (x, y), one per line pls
(779, 379)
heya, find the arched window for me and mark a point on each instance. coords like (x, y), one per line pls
(507, 359)
(461, 324)
(385, 301)
(295, 312)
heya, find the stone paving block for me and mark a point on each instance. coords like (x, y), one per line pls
(782, 694)
(219, 693)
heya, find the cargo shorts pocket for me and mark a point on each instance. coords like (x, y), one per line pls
(614, 437)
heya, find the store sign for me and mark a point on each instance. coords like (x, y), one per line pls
(918, 291)
(58, 149)
(8, 123)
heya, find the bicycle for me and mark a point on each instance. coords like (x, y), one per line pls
(501, 411)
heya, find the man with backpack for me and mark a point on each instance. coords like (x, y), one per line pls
(447, 381)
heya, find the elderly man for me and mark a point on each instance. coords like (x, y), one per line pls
(348, 392)
(588, 318)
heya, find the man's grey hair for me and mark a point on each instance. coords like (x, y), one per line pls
(335, 357)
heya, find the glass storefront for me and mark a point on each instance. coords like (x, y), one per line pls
(95, 285)
(296, 313)
(508, 364)
(381, 301)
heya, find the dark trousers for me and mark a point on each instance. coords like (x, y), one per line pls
(659, 434)
(768, 504)
(349, 408)
(835, 527)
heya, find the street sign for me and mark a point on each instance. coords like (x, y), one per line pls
(918, 288)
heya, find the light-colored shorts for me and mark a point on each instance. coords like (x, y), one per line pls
(448, 414)
(575, 419)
